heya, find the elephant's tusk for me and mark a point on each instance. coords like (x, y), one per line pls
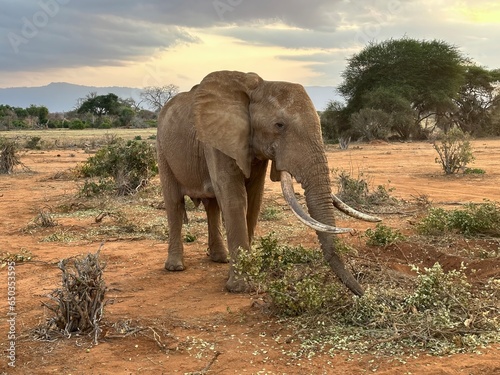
(289, 195)
(341, 206)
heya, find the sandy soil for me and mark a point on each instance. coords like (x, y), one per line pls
(186, 322)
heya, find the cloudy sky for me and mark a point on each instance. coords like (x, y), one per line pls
(142, 43)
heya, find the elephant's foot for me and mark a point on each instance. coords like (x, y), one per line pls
(218, 254)
(174, 263)
(237, 285)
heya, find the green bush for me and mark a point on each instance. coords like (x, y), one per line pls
(434, 223)
(454, 150)
(297, 280)
(76, 124)
(441, 290)
(383, 235)
(126, 166)
(474, 171)
(151, 123)
(94, 187)
(473, 220)
(106, 123)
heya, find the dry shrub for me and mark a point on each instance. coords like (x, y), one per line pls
(79, 303)
(454, 150)
(44, 218)
(8, 156)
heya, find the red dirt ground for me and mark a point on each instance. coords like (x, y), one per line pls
(203, 328)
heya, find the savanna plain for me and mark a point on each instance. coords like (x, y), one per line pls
(186, 322)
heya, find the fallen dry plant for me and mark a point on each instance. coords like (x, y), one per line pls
(78, 305)
(8, 156)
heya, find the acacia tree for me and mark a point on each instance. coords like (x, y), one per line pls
(157, 96)
(108, 106)
(100, 105)
(413, 75)
(476, 100)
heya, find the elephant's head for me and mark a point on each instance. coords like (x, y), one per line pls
(247, 117)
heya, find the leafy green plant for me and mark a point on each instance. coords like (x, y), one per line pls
(474, 171)
(436, 288)
(473, 220)
(77, 124)
(434, 222)
(128, 166)
(95, 187)
(270, 213)
(454, 150)
(436, 311)
(189, 237)
(382, 235)
(297, 280)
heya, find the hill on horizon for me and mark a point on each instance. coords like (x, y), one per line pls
(62, 96)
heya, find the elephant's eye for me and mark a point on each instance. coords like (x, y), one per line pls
(279, 125)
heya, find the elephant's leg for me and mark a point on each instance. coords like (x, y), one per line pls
(228, 183)
(238, 241)
(176, 215)
(255, 192)
(216, 247)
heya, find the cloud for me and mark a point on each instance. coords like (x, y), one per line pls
(53, 34)
(315, 36)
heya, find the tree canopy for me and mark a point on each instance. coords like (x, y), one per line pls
(428, 73)
(413, 80)
(17, 117)
(100, 105)
(476, 100)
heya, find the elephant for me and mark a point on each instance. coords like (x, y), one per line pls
(214, 144)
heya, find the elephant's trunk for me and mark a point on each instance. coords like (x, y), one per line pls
(316, 184)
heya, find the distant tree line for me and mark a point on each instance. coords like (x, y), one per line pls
(408, 89)
(93, 111)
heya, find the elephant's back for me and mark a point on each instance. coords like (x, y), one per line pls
(175, 121)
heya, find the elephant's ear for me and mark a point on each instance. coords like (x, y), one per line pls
(221, 113)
